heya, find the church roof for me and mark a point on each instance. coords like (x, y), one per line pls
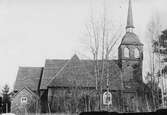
(130, 38)
(28, 77)
(80, 72)
(73, 73)
(66, 73)
(114, 75)
(52, 66)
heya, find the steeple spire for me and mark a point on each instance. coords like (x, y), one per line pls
(129, 26)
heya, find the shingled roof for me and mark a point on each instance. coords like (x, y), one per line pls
(66, 73)
(28, 77)
(52, 66)
(60, 72)
(114, 75)
(130, 38)
(73, 73)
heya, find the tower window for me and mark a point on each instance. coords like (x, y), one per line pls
(136, 53)
(126, 52)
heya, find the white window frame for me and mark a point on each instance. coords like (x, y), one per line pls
(136, 53)
(24, 100)
(126, 52)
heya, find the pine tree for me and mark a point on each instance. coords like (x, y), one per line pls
(0, 104)
(6, 99)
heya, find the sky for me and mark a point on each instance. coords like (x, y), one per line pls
(32, 31)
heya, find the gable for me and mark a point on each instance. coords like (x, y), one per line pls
(73, 73)
(28, 77)
(25, 92)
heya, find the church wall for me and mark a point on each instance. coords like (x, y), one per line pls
(136, 101)
(18, 107)
(71, 99)
(130, 101)
(146, 101)
(60, 100)
(115, 106)
(44, 101)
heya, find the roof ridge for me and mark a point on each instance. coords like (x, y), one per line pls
(79, 59)
(55, 59)
(29, 67)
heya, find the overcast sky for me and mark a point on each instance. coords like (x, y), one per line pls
(33, 30)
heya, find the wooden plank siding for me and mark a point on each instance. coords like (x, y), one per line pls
(32, 101)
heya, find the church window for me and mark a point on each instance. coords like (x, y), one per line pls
(136, 53)
(126, 52)
(23, 100)
(107, 98)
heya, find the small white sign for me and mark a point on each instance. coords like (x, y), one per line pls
(107, 98)
(23, 100)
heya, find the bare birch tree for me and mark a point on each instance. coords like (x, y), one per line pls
(102, 35)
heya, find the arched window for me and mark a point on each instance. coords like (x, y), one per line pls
(107, 98)
(126, 52)
(136, 53)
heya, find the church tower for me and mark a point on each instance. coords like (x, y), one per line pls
(130, 51)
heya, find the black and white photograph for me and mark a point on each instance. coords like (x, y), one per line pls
(83, 57)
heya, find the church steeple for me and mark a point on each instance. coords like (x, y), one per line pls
(130, 26)
(130, 51)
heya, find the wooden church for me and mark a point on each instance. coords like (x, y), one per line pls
(70, 85)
